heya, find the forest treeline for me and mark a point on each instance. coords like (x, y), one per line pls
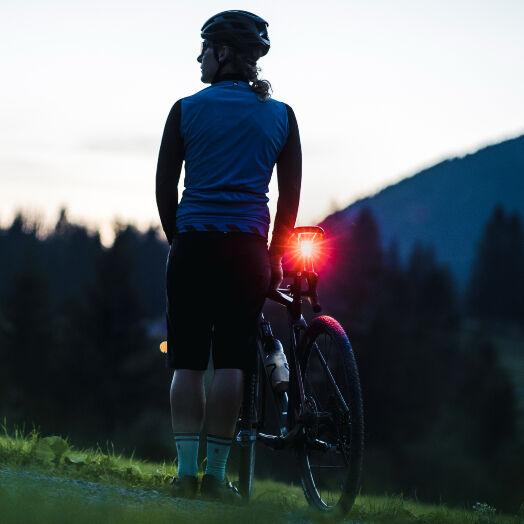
(79, 334)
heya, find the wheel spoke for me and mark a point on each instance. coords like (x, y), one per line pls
(328, 472)
(330, 376)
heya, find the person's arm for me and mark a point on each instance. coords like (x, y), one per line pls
(289, 176)
(168, 170)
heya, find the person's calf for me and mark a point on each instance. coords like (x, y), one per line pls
(188, 400)
(223, 402)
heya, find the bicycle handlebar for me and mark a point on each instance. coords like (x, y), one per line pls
(282, 297)
(279, 297)
(302, 271)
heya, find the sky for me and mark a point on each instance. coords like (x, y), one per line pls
(381, 89)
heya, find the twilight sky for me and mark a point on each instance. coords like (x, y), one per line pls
(380, 89)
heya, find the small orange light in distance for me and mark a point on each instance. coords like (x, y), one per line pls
(306, 248)
(163, 346)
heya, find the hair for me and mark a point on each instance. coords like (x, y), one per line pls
(246, 65)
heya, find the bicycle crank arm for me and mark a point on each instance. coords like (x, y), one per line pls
(319, 445)
(272, 441)
(280, 442)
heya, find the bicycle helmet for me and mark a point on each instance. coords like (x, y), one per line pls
(241, 30)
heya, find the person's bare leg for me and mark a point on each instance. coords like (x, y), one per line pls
(223, 402)
(222, 408)
(188, 401)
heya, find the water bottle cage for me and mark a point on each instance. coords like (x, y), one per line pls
(272, 366)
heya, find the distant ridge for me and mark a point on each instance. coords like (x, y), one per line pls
(446, 205)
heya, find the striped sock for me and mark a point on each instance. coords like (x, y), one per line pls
(187, 451)
(217, 453)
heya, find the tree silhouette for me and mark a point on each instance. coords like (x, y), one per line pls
(435, 300)
(28, 341)
(496, 288)
(70, 252)
(351, 280)
(122, 360)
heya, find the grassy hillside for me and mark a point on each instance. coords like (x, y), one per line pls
(47, 480)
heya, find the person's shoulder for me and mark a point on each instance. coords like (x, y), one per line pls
(289, 109)
(197, 96)
(175, 110)
(281, 105)
(275, 102)
(188, 101)
(276, 106)
(283, 108)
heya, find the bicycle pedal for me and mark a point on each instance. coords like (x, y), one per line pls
(319, 445)
(272, 441)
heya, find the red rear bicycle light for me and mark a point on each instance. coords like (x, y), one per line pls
(306, 248)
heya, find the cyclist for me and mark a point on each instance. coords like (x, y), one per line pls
(230, 135)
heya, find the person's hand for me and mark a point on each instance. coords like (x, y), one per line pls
(277, 275)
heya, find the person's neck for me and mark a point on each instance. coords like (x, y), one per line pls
(229, 75)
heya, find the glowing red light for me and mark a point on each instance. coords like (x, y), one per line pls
(306, 248)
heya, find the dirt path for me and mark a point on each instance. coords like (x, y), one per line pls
(96, 493)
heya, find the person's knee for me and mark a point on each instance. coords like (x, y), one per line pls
(229, 372)
(229, 378)
(187, 378)
(227, 386)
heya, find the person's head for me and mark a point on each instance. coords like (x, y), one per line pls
(233, 42)
(212, 58)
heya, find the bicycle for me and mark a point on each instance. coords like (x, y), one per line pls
(320, 416)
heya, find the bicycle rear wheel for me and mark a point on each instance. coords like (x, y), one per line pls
(330, 456)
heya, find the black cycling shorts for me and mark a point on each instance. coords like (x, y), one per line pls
(216, 287)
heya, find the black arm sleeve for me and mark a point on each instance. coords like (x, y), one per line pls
(168, 170)
(289, 175)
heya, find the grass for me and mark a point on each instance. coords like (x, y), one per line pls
(134, 491)
(54, 455)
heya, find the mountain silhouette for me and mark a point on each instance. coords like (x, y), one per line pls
(447, 205)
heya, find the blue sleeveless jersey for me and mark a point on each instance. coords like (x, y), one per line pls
(231, 141)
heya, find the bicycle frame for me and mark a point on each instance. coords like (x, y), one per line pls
(308, 422)
(288, 419)
(290, 422)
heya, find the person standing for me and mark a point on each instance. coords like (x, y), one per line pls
(230, 135)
